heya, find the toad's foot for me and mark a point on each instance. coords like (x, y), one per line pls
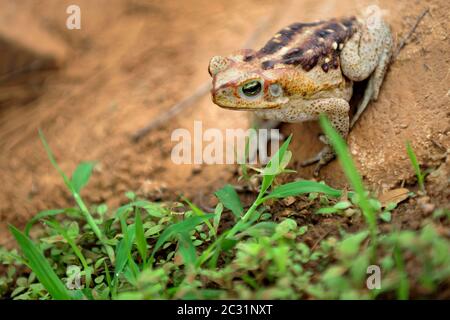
(322, 158)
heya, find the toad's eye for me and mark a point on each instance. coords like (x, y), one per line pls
(252, 88)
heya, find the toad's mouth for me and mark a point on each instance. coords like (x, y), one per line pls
(277, 106)
(255, 106)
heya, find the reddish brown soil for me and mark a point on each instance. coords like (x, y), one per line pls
(133, 59)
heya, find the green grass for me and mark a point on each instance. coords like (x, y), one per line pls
(415, 163)
(40, 266)
(144, 250)
(352, 175)
(79, 179)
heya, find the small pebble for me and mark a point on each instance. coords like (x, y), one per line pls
(196, 169)
(349, 212)
(288, 201)
(428, 208)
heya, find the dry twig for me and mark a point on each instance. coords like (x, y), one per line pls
(410, 33)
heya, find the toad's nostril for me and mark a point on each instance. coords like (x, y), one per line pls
(215, 95)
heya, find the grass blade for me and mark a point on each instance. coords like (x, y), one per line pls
(53, 161)
(40, 266)
(187, 249)
(301, 187)
(123, 249)
(351, 173)
(403, 286)
(416, 166)
(87, 215)
(40, 215)
(55, 225)
(140, 238)
(217, 216)
(199, 212)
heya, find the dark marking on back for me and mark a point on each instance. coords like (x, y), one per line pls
(321, 46)
(283, 37)
(293, 53)
(348, 22)
(249, 58)
(248, 55)
(268, 64)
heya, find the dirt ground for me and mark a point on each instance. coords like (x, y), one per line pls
(134, 59)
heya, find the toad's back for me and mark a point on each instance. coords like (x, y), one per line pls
(307, 44)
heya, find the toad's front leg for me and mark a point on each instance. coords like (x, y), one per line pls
(337, 112)
(334, 108)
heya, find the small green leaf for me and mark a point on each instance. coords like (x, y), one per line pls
(228, 244)
(376, 205)
(349, 247)
(302, 230)
(416, 166)
(153, 230)
(102, 209)
(262, 229)
(81, 175)
(230, 199)
(266, 216)
(274, 166)
(391, 206)
(130, 195)
(327, 210)
(153, 209)
(386, 216)
(175, 229)
(99, 279)
(99, 262)
(17, 291)
(286, 226)
(342, 205)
